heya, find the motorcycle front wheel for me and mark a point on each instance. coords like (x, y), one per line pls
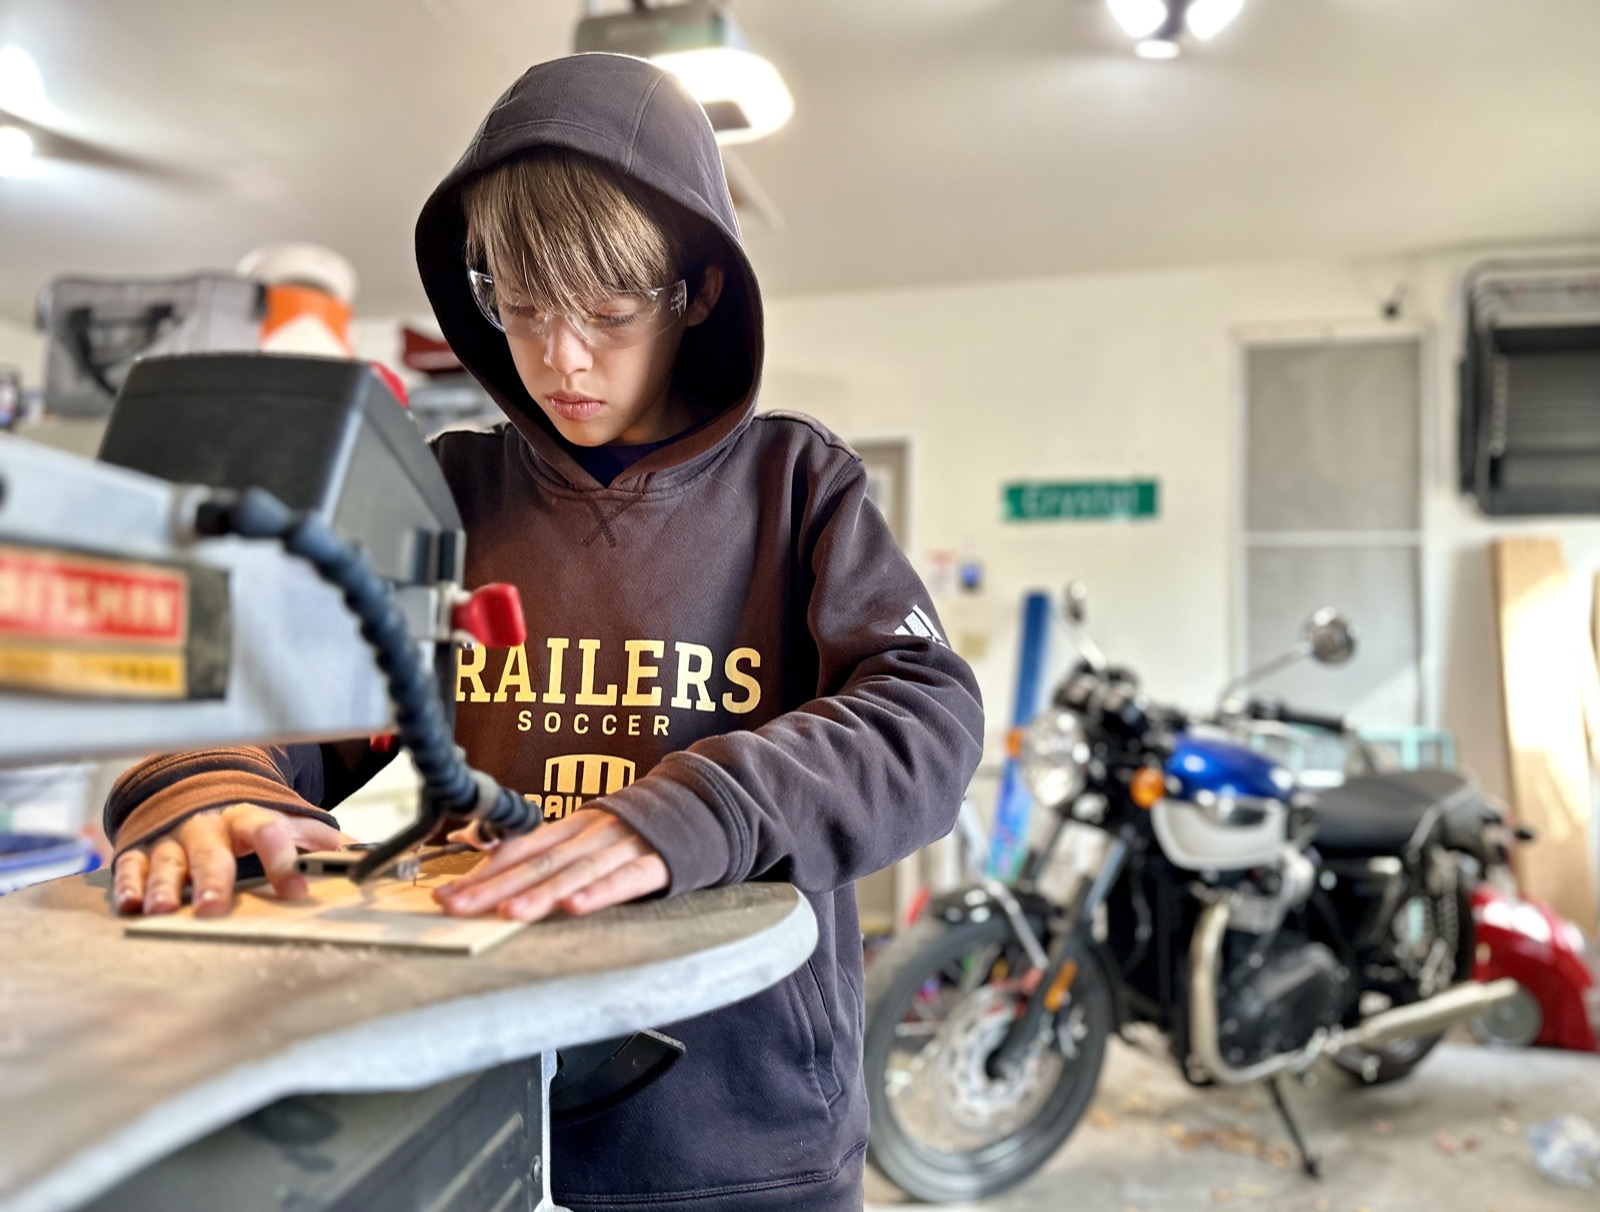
(940, 999)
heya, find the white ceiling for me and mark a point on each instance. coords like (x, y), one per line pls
(933, 140)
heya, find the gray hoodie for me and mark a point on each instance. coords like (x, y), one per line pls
(725, 648)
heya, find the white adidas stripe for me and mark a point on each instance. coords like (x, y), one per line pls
(919, 624)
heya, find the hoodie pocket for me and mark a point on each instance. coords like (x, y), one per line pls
(814, 1012)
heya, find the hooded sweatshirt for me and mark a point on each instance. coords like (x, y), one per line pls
(726, 649)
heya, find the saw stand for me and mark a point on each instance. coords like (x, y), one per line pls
(165, 1073)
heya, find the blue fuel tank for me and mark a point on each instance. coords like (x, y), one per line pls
(1227, 770)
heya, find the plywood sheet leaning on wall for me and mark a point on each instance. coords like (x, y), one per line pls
(1544, 651)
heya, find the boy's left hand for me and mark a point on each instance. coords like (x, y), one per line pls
(588, 861)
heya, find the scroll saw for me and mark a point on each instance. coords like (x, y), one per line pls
(264, 551)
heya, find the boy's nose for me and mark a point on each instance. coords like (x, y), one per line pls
(564, 350)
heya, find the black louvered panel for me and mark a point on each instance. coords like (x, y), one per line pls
(1530, 406)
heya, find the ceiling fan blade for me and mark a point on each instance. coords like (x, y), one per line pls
(746, 192)
(56, 145)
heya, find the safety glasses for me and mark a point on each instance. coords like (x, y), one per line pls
(619, 320)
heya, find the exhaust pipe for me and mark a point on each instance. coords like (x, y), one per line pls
(1426, 1017)
(1401, 1022)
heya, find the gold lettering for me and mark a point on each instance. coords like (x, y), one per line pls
(558, 655)
(524, 721)
(608, 725)
(552, 721)
(661, 725)
(469, 667)
(739, 678)
(694, 669)
(586, 695)
(638, 671)
(515, 674)
(580, 724)
(633, 725)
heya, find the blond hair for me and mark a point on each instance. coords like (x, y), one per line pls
(559, 229)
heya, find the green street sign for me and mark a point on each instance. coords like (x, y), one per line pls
(1082, 501)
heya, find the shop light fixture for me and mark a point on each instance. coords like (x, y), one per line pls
(21, 86)
(1158, 24)
(742, 93)
(1156, 48)
(16, 151)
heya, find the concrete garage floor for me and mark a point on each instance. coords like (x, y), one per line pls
(1451, 1138)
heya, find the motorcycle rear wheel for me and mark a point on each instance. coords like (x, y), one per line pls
(1392, 1062)
(915, 990)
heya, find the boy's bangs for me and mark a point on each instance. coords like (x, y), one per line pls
(560, 231)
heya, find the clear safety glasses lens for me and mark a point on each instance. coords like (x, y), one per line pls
(621, 320)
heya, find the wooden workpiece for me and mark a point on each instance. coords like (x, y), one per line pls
(383, 912)
(1544, 657)
(117, 1050)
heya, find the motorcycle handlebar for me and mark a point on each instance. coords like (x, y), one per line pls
(1263, 709)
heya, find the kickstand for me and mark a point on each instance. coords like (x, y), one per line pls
(1308, 1160)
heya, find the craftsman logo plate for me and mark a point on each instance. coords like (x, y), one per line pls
(50, 595)
(78, 625)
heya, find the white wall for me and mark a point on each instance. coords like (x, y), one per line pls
(1136, 374)
(23, 348)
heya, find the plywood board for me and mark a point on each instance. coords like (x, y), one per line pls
(1542, 647)
(385, 913)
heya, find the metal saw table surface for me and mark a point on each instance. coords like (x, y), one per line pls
(117, 1051)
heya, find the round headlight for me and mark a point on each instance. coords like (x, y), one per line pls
(1054, 752)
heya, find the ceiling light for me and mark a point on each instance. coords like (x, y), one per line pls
(742, 93)
(1207, 18)
(21, 86)
(1157, 25)
(1139, 18)
(16, 151)
(1156, 48)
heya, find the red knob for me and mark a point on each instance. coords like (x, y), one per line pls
(492, 616)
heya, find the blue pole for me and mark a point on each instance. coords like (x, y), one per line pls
(1008, 846)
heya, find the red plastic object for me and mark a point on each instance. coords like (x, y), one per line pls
(1542, 952)
(384, 742)
(428, 354)
(393, 382)
(493, 616)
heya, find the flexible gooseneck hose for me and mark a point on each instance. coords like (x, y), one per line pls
(451, 788)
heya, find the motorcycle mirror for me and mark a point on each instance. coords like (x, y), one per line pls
(1076, 603)
(1327, 633)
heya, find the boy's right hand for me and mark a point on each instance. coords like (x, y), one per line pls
(201, 851)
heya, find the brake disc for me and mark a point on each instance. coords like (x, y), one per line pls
(971, 1035)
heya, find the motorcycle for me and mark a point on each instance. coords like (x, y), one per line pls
(1255, 925)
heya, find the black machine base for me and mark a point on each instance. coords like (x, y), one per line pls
(468, 1145)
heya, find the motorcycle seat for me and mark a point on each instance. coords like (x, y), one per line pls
(1388, 814)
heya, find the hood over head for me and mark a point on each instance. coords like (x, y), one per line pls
(640, 120)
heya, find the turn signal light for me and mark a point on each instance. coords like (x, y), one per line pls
(1147, 787)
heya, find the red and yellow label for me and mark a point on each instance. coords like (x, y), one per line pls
(73, 624)
(51, 595)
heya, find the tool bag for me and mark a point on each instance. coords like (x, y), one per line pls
(97, 328)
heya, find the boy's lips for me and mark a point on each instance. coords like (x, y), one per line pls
(575, 408)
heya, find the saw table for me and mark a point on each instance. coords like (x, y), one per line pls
(165, 1073)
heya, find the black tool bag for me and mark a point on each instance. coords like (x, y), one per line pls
(98, 327)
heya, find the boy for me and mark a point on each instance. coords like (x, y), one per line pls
(730, 667)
